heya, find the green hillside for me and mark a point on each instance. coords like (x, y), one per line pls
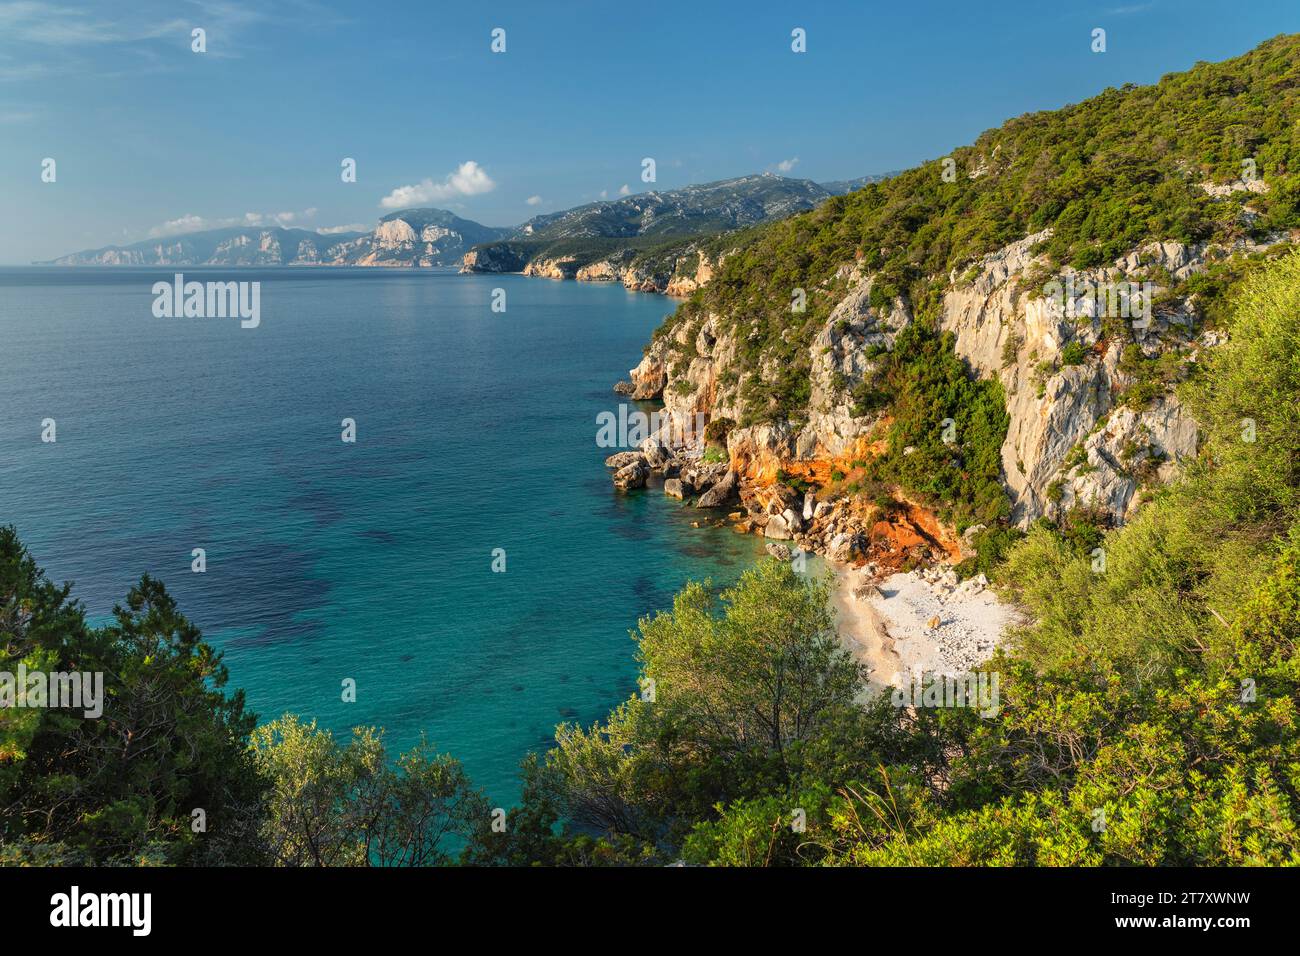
(1105, 175)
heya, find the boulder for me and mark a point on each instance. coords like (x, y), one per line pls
(866, 592)
(655, 452)
(846, 546)
(721, 493)
(776, 528)
(809, 504)
(631, 476)
(782, 499)
(778, 551)
(792, 519)
(705, 475)
(623, 458)
(674, 488)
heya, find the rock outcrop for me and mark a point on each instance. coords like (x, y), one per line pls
(720, 493)
(676, 272)
(1081, 434)
(1060, 361)
(631, 476)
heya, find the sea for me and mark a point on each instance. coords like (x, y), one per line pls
(464, 563)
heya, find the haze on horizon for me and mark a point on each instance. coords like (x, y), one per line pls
(152, 139)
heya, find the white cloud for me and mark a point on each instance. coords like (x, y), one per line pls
(251, 220)
(42, 38)
(786, 165)
(534, 200)
(469, 179)
(176, 227)
(604, 194)
(350, 227)
(624, 190)
(61, 25)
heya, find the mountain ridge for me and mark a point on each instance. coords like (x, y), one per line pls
(425, 237)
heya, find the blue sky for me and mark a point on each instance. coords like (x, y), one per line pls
(151, 138)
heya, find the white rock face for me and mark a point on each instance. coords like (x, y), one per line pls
(394, 234)
(777, 528)
(1131, 445)
(1053, 341)
(847, 350)
(1042, 431)
(1241, 185)
(1006, 329)
(981, 312)
(242, 250)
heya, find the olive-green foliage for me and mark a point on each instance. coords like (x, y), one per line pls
(333, 804)
(954, 425)
(120, 788)
(1105, 175)
(742, 686)
(991, 544)
(1073, 354)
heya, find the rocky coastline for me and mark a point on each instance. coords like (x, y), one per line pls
(675, 275)
(1086, 430)
(900, 607)
(883, 537)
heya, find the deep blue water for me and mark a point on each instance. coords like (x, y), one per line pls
(325, 560)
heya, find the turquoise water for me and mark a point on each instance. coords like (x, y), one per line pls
(371, 561)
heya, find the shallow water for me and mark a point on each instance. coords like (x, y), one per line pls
(371, 561)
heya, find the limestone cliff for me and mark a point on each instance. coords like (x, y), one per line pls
(676, 271)
(1082, 434)
(1088, 426)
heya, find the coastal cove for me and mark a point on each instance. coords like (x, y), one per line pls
(372, 561)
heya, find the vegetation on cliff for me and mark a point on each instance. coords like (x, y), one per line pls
(1104, 175)
(121, 787)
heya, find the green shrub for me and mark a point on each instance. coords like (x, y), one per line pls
(1073, 354)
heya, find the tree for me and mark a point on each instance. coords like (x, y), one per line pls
(123, 786)
(347, 805)
(736, 689)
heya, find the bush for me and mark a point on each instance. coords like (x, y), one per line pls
(1073, 354)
